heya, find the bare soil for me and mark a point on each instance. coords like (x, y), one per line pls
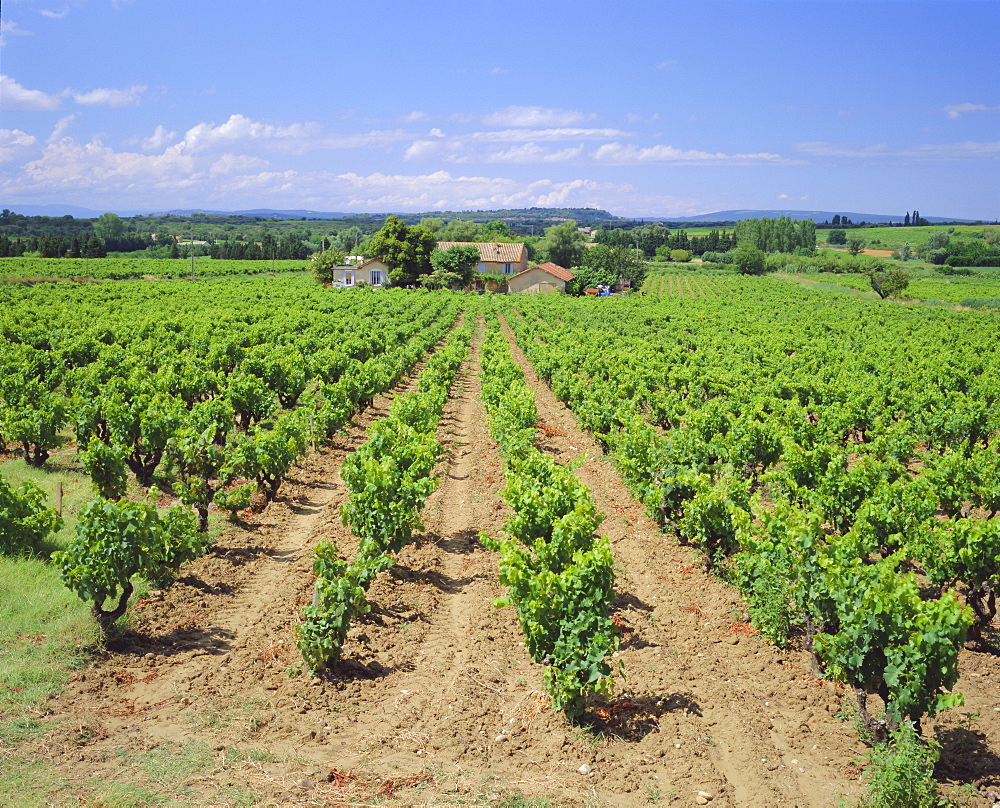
(435, 701)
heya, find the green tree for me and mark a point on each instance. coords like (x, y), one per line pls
(497, 231)
(855, 244)
(322, 265)
(564, 244)
(441, 279)
(348, 239)
(405, 250)
(432, 223)
(603, 265)
(749, 260)
(888, 283)
(460, 230)
(460, 260)
(109, 226)
(93, 248)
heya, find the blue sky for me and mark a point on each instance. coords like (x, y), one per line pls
(651, 108)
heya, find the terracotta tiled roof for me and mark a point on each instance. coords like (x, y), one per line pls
(490, 250)
(552, 269)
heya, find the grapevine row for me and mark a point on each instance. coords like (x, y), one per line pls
(559, 575)
(215, 407)
(833, 501)
(388, 478)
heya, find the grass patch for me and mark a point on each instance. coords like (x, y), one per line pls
(28, 782)
(46, 631)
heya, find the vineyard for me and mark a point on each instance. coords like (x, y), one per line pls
(117, 269)
(708, 544)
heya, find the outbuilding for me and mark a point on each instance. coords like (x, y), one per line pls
(540, 279)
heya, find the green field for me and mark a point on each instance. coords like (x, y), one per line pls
(892, 238)
(926, 284)
(117, 269)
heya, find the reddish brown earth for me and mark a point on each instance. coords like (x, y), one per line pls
(875, 253)
(435, 701)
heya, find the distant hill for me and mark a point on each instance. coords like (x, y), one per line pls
(815, 215)
(268, 213)
(78, 212)
(63, 210)
(523, 217)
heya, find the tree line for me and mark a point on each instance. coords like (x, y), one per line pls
(777, 235)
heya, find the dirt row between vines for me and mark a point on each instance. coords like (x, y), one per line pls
(435, 701)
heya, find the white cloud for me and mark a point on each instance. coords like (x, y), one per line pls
(110, 97)
(229, 165)
(629, 154)
(159, 140)
(531, 135)
(91, 172)
(241, 129)
(14, 96)
(665, 64)
(67, 165)
(471, 148)
(957, 110)
(518, 116)
(422, 149)
(64, 123)
(929, 151)
(442, 190)
(821, 148)
(54, 15)
(9, 28)
(295, 138)
(533, 153)
(955, 151)
(415, 116)
(12, 141)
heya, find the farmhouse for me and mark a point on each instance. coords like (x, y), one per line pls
(372, 272)
(541, 279)
(495, 258)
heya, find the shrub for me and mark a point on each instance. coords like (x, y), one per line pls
(24, 519)
(749, 260)
(901, 773)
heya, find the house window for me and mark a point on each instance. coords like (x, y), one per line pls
(377, 277)
(508, 268)
(348, 279)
